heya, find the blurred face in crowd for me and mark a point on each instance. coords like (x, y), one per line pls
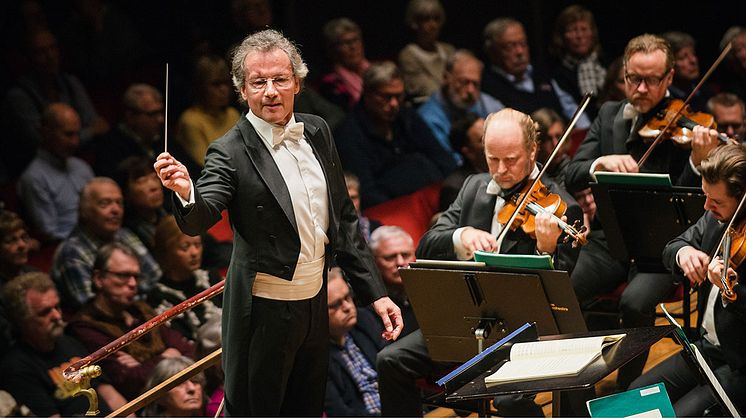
(186, 256)
(349, 51)
(217, 92)
(117, 285)
(354, 193)
(511, 51)
(578, 38)
(44, 53)
(254, 14)
(463, 82)
(686, 64)
(427, 27)
(384, 102)
(44, 324)
(554, 133)
(739, 49)
(473, 151)
(270, 86)
(14, 249)
(184, 400)
(646, 79)
(393, 253)
(145, 192)
(508, 158)
(342, 311)
(63, 138)
(730, 120)
(146, 119)
(718, 201)
(103, 211)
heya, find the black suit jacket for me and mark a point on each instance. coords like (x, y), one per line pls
(241, 175)
(474, 207)
(730, 321)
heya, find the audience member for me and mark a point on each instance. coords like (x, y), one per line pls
(730, 115)
(367, 225)
(459, 94)
(354, 341)
(32, 370)
(211, 115)
(115, 311)
(246, 17)
(734, 69)
(184, 400)
(44, 84)
(209, 339)
(50, 186)
(550, 128)
(393, 248)
(576, 52)
(180, 257)
(613, 88)
(344, 44)
(99, 223)
(511, 77)
(466, 138)
(389, 147)
(686, 73)
(143, 197)
(139, 133)
(423, 61)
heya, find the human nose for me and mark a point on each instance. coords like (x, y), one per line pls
(270, 89)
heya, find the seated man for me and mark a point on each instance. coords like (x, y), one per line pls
(466, 138)
(32, 370)
(50, 186)
(114, 312)
(389, 147)
(469, 224)
(722, 326)
(459, 94)
(730, 115)
(355, 339)
(100, 222)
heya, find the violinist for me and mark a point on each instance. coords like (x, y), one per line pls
(613, 144)
(722, 327)
(470, 223)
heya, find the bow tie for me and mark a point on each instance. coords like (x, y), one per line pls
(629, 111)
(293, 132)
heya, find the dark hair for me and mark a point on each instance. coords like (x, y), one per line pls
(568, 16)
(458, 135)
(132, 168)
(15, 290)
(101, 263)
(10, 222)
(726, 164)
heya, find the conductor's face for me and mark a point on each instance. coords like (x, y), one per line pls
(508, 158)
(270, 86)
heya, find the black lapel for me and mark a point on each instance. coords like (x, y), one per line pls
(267, 169)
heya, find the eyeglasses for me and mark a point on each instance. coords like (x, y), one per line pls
(337, 304)
(280, 82)
(124, 276)
(650, 81)
(735, 126)
(386, 97)
(512, 46)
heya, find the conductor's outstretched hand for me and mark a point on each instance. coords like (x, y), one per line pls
(173, 175)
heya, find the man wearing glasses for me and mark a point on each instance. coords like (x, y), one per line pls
(730, 115)
(613, 144)
(278, 175)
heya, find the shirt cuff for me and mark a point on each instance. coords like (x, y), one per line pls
(694, 168)
(190, 201)
(593, 169)
(458, 246)
(678, 252)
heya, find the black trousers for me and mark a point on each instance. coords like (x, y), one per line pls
(288, 357)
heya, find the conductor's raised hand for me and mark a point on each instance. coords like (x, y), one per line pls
(173, 175)
(390, 314)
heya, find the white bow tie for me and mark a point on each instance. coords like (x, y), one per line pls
(293, 132)
(629, 111)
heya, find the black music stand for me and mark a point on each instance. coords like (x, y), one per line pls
(637, 341)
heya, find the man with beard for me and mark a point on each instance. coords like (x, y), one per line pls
(99, 223)
(459, 94)
(32, 370)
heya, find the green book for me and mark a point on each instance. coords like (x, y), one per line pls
(643, 179)
(645, 402)
(514, 261)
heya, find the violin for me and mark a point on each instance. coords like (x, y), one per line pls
(734, 252)
(682, 120)
(540, 201)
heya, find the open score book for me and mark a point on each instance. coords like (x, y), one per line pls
(551, 358)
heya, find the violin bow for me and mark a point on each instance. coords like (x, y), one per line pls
(689, 98)
(578, 112)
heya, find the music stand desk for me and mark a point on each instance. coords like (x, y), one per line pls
(637, 341)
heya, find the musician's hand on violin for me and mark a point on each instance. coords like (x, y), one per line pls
(547, 232)
(704, 140)
(715, 272)
(173, 175)
(475, 239)
(617, 163)
(694, 264)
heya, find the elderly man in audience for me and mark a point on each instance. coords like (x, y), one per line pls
(389, 147)
(50, 186)
(115, 311)
(730, 114)
(100, 222)
(32, 370)
(355, 339)
(459, 94)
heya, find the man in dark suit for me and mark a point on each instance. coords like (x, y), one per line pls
(722, 327)
(469, 224)
(284, 189)
(613, 144)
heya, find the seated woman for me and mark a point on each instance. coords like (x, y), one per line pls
(185, 400)
(180, 257)
(15, 244)
(143, 197)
